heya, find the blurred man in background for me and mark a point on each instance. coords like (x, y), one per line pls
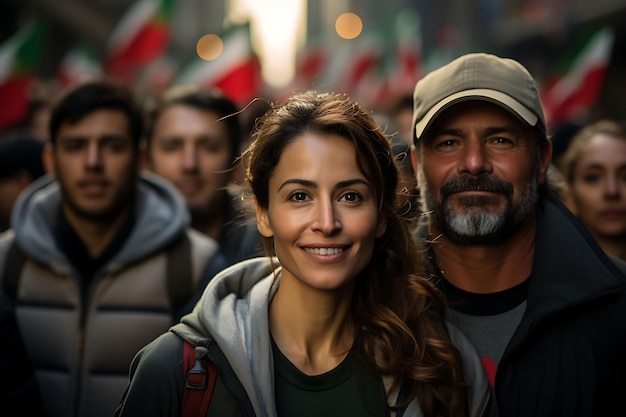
(100, 258)
(193, 141)
(20, 164)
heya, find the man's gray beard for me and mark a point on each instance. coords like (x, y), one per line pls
(479, 226)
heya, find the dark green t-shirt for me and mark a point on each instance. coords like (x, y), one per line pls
(351, 389)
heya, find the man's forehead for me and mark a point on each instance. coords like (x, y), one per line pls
(475, 112)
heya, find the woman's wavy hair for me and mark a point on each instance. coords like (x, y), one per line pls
(399, 315)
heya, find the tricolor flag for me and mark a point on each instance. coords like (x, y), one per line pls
(400, 65)
(360, 72)
(407, 67)
(352, 67)
(80, 63)
(310, 63)
(19, 58)
(577, 87)
(142, 35)
(236, 72)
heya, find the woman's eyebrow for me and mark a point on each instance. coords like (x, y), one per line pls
(312, 184)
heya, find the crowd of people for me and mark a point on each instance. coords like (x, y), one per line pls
(442, 263)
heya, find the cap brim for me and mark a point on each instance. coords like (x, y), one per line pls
(493, 96)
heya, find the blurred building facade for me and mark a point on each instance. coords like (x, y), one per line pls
(532, 31)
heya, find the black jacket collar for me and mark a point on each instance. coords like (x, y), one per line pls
(569, 267)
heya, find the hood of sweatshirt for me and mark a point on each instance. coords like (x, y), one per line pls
(160, 217)
(234, 311)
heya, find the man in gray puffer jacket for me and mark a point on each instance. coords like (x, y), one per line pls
(99, 256)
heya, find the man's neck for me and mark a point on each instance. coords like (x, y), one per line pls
(486, 269)
(95, 235)
(211, 221)
(210, 226)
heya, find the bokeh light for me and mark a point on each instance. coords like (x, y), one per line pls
(348, 25)
(278, 29)
(209, 47)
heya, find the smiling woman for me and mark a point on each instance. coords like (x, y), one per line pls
(338, 319)
(328, 217)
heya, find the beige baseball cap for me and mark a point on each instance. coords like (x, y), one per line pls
(477, 76)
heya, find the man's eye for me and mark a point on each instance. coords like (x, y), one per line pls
(446, 143)
(73, 145)
(210, 147)
(117, 145)
(169, 145)
(502, 140)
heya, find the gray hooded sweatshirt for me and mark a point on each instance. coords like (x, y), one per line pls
(232, 315)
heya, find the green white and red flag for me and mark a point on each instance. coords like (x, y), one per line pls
(398, 69)
(142, 35)
(80, 63)
(407, 69)
(573, 92)
(351, 67)
(19, 59)
(236, 72)
(360, 75)
(310, 64)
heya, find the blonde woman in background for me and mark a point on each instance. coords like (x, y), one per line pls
(594, 167)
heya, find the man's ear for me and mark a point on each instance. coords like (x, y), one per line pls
(544, 162)
(47, 157)
(263, 223)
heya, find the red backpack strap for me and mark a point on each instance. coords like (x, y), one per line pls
(200, 376)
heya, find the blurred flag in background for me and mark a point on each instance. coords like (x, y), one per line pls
(19, 58)
(80, 63)
(577, 84)
(236, 71)
(142, 35)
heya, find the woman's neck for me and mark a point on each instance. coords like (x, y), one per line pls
(313, 329)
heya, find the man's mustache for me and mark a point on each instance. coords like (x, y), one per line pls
(481, 183)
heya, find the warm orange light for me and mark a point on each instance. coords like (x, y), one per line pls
(209, 47)
(348, 25)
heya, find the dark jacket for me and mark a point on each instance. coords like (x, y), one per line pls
(18, 387)
(239, 240)
(568, 355)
